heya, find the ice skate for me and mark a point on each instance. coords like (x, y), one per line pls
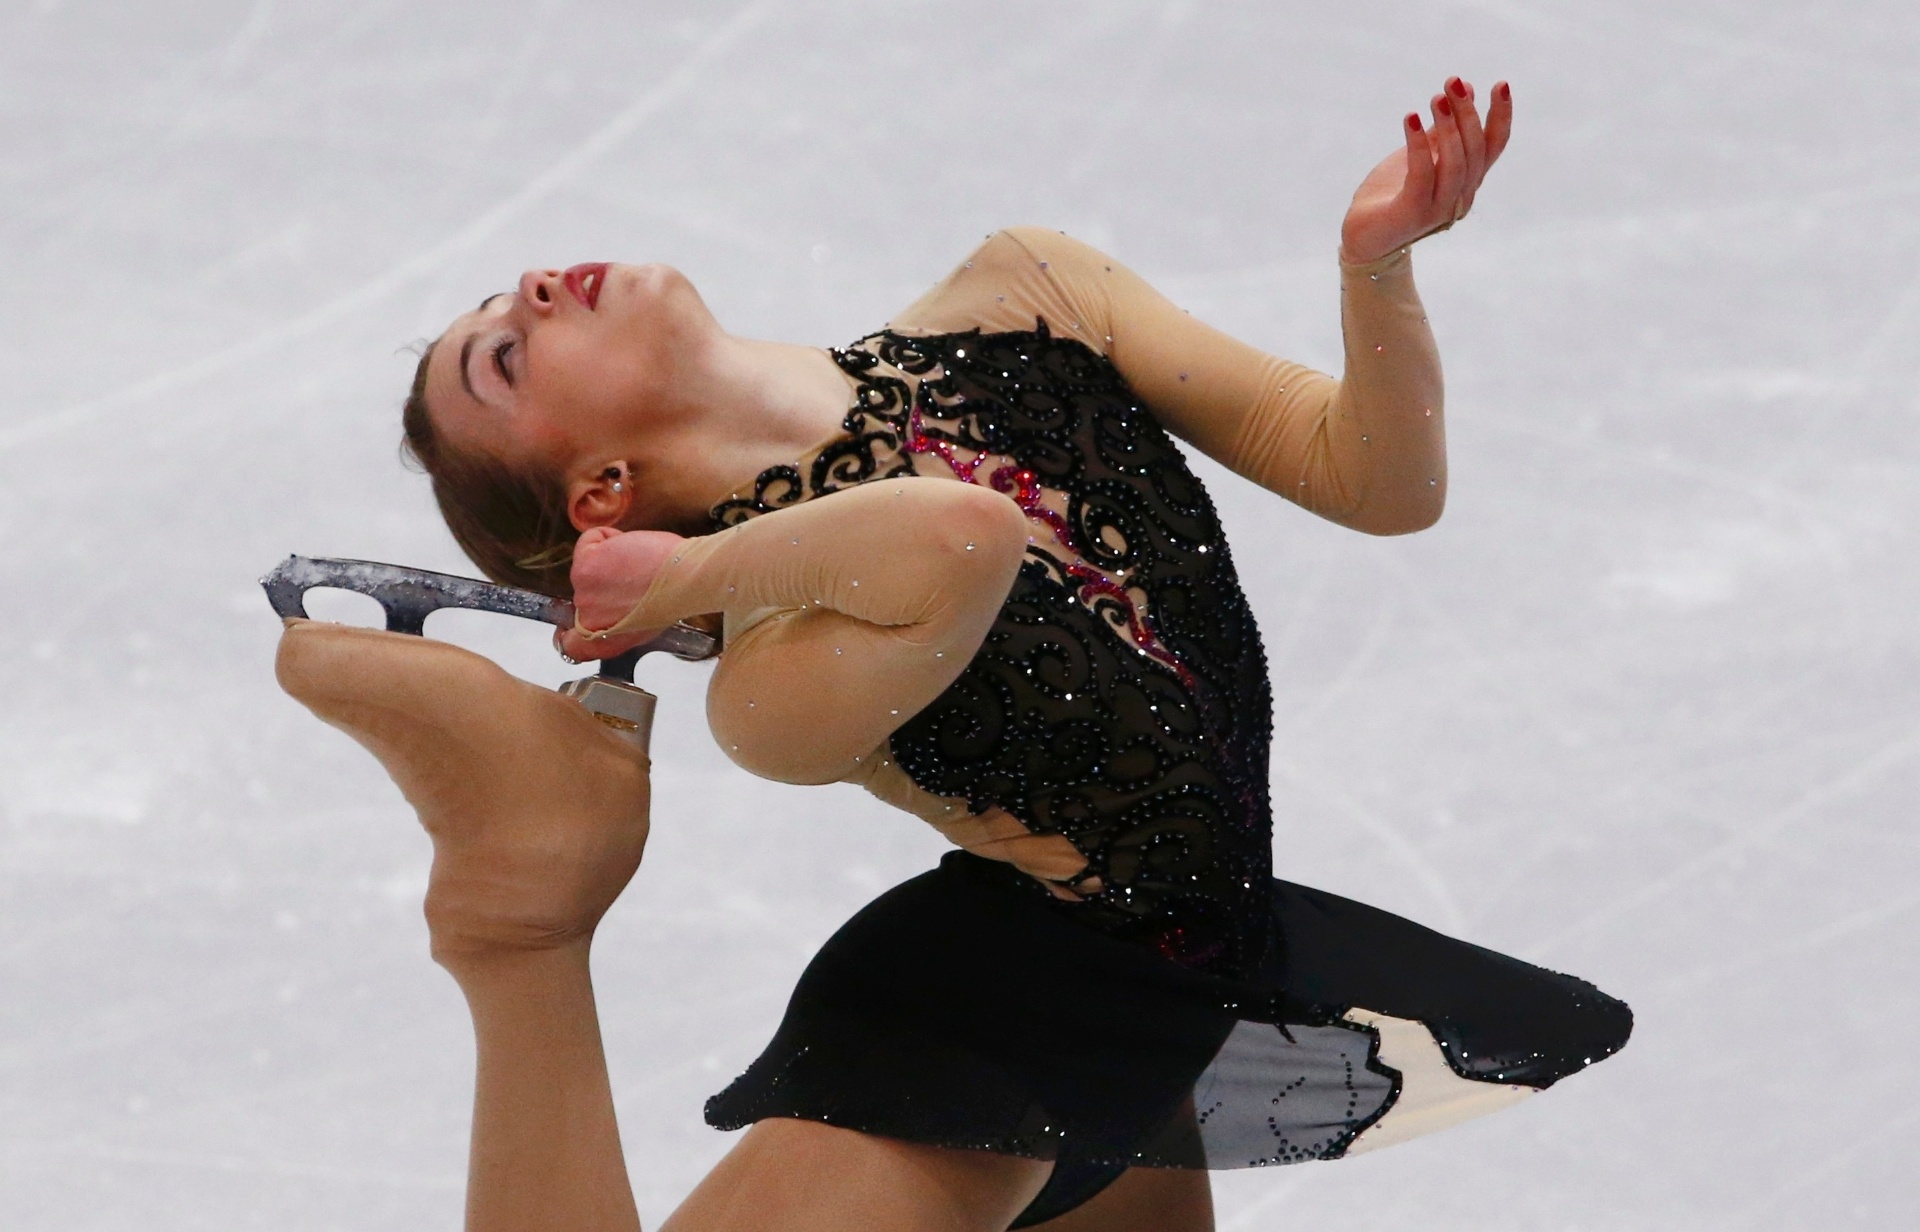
(536, 800)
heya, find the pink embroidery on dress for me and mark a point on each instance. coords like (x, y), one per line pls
(1024, 486)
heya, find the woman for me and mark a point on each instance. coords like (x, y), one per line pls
(962, 563)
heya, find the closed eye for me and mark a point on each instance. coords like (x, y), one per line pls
(499, 352)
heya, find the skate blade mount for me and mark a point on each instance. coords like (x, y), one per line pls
(409, 596)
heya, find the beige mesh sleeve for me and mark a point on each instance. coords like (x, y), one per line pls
(1367, 450)
(846, 615)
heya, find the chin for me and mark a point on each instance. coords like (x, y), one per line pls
(658, 298)
(647, 282)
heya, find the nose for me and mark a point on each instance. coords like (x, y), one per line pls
(540, 290)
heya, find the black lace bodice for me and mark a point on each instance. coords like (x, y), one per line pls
(1121, 697)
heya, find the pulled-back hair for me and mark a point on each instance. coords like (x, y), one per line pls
(512, 523)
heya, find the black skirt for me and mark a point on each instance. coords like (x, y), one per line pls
(962, 1009)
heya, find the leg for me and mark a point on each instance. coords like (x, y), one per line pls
(538, 818)
(818, 1178)
(546, 1150)
(1143, 1200)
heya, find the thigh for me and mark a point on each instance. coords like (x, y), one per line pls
(1143, 1200)
(787, 1175)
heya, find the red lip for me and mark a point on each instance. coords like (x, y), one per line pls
(585, 282)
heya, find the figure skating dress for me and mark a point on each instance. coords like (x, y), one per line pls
(1107, 974)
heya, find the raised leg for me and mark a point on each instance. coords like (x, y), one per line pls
(546, 1150)
(538, 818)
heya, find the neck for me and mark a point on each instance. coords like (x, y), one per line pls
(746, 406)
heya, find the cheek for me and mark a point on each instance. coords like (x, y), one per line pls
(585, 388)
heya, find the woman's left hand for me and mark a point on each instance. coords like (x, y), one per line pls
(612, 571)
(1429, 184)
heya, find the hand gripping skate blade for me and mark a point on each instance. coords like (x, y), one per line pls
(409, 596)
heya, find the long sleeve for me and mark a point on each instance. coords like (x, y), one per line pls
(1367, 450)
(845, 615)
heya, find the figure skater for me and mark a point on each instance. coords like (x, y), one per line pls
(962, 563)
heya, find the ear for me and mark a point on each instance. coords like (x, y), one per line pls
(602, 497)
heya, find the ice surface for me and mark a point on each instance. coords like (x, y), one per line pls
(1643, 706)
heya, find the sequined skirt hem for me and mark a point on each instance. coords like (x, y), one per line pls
(959, 1010)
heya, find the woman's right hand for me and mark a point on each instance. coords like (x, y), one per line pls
(612, 572)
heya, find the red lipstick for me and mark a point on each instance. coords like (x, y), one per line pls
(585, 282)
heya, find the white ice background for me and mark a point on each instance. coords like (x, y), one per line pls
(1642, 706)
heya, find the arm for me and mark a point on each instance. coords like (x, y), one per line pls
(858, 608)
(1368, 450)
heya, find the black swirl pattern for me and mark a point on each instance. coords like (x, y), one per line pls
(1159, 776)
(1129, 712)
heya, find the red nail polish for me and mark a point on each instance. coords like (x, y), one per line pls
(1456, 87)
(1413, 122)
(1444, 107)
(1505, 92)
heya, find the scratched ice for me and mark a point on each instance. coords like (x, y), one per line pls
(1641, 707)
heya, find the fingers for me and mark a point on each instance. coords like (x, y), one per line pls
(577, 648)
(574, 648)
(1499, 121)
(612, 572)
(1450, 163)
(1418, 186)
(589, 562)
(1473, 140)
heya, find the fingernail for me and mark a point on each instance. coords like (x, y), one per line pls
(1505, 92)
(1456, 87)
(1444, 106)
(1413, 121)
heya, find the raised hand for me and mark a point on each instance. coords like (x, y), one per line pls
(612, 571)
(1430, 183)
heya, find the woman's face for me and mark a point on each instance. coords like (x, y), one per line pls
(570, 368)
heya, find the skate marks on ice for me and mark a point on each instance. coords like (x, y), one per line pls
(563, 172)
(1640, 706)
